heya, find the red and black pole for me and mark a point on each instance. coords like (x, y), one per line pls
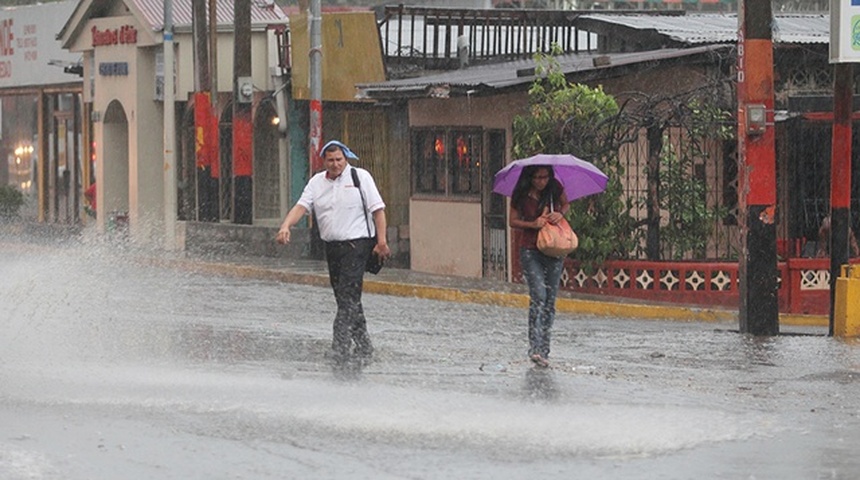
(207, 160)
(759, 306)
(243, 94)
(840, 175)
(205, 144)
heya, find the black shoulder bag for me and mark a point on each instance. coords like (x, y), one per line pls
(374, 263)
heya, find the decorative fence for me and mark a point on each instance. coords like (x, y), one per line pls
(804, 283)
(432, 36)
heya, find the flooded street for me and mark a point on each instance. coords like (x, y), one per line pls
(111, 367)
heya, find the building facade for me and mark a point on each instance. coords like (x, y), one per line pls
(41, 131)
(121, 46)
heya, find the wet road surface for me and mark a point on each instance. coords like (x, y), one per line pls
(113, 368)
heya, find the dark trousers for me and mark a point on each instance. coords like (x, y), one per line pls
(346, 261)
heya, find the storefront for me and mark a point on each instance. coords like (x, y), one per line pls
(121, 46)
(41, 128)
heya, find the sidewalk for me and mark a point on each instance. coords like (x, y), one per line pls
(409, 283)
(403, 282)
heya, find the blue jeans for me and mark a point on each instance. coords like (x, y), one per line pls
(542, 274)
(346, 261)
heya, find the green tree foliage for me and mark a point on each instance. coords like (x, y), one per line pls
(11, 201)
(571, 118)
(683, 194)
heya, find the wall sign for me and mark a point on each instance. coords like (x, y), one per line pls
(844, 31)
(124, 35)
(30, 54)
(113, 69)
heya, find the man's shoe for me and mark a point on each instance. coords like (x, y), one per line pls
(337, 356)
(363, 349)
(363, 352)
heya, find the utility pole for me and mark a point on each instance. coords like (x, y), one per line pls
(213, 51)
(212, 131)
(169, 132)
(207, 190)
(315, 63)
(759, 306)
(243, 96)
(840, 175)
(843, 54)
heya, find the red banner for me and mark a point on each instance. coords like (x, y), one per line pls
(202, 112)
(242, 141)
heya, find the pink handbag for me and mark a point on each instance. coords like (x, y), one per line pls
(557, 240)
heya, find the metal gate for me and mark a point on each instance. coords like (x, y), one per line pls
(495, 250)
(809, 177)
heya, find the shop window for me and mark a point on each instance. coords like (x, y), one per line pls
(447, 162)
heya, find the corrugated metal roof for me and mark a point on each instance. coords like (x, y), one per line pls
(509, 74)
(262, 13)
(723, 28)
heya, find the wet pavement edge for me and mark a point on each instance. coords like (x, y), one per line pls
(473, 291)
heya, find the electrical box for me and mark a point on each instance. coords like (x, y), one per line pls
(245, 87)
(756, 119)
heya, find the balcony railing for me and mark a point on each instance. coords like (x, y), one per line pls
(432, 37)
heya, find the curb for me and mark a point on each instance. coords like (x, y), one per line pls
(506, 299)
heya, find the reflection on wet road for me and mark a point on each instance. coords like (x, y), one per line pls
(109, 365)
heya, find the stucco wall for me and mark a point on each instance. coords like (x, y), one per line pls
(260, 73)
(446, 234)
(129, 145)
(147, 150)
(487, 112)
(447, 239)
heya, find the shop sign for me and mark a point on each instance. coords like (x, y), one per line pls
(844, 31)
(124, 35)
(30, 53)
(113, 69)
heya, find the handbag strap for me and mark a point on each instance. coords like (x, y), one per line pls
(357, 184)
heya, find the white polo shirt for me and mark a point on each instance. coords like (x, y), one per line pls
(337, 204)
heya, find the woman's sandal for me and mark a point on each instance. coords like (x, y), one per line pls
(539, 361)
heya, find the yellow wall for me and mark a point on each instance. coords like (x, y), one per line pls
(350, 54)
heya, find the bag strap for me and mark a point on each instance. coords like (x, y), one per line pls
(357, 184)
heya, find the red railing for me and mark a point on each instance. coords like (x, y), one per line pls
(804, 283)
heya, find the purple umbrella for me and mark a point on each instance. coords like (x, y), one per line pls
(579, 178)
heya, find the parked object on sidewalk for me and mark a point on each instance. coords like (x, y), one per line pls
(578, 177)
(341, 205)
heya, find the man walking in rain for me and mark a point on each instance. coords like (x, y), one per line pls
(343, 208)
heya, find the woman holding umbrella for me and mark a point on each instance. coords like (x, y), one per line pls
(538, 198)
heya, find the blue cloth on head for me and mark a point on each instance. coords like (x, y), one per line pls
(346, 151)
